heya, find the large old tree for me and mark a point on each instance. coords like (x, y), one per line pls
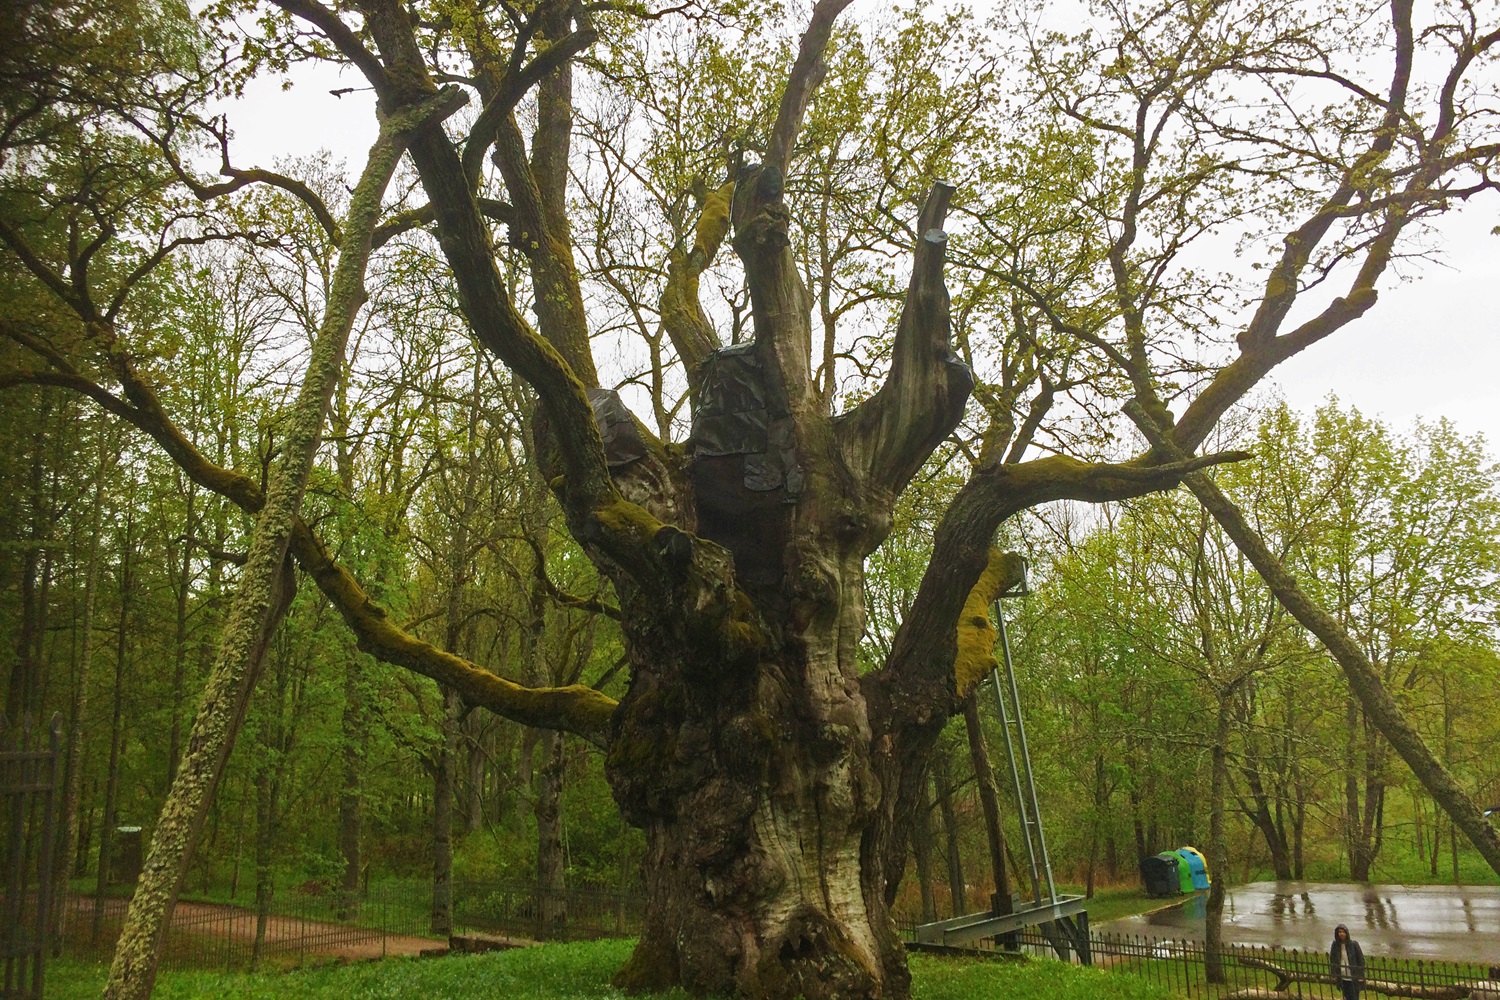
(774, 777)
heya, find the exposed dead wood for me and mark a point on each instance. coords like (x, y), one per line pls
(1286, 978)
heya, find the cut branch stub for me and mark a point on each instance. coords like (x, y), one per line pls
(745, 471)
(890, 435)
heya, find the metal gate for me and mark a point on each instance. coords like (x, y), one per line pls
(29, 766)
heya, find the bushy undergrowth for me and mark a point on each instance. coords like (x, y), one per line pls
(580, 972)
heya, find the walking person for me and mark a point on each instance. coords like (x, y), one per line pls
(1346, 962)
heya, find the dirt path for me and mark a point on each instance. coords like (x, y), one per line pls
(285, 935)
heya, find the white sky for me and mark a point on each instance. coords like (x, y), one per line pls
(1430, 347)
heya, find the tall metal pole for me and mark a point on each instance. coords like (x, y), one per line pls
(1015, 694)
(1022, 810)
(1015, 780)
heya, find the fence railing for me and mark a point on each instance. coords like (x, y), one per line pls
(309, 924)
(1181, 967)
(394, 917)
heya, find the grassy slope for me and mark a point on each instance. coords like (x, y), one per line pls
(580, 972)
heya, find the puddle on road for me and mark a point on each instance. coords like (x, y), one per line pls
(1456, 923)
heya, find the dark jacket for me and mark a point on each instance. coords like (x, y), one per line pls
(1356, 956)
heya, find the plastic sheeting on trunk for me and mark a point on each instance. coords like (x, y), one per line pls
(744, 463)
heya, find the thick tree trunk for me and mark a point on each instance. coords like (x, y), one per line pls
(753, 784)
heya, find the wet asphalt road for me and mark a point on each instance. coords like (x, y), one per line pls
(1456, 923)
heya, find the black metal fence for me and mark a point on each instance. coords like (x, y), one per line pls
(1181, 967)
(30, 758)
(206, 935)
(309, 924)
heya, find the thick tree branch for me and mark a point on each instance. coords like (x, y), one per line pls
(344, 39)
(682, 315)
(977, 636)
(415, 218)
(778, 298)
(1364, 679)
(514, 87)
(576, 709)
(807, 72)
(890, 435)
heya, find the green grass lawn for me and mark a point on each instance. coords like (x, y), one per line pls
(1111, 904)
(581, 972)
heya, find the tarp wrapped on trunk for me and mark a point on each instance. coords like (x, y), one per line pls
(744, 463)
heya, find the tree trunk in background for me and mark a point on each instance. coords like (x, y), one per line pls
(1271, 830)
(23, 698)
(921, 847)
(1218, 846)
(552, 911)
(350, 795)
(182, 584)
(1101, 797)
(116, 734)
(475, 730)
(942, 783)
(67, 833)
(984, 777)
(1386, 715)
(1299, 820)
(443, 777)
(1356, 843)
(265, 833)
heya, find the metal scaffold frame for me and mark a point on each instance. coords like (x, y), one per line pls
(1063, 919)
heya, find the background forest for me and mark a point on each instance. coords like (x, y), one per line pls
(1144, 634)
(1142, 625)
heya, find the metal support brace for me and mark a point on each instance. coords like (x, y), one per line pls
(1063, 920)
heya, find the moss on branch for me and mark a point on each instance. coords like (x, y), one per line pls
(976, 633)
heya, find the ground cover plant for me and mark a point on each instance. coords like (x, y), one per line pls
(582, 972)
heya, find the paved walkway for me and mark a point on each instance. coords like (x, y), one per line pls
(1455, 923)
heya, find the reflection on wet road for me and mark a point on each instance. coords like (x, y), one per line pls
(1458, 923)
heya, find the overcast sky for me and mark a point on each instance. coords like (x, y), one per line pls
(1430, 347)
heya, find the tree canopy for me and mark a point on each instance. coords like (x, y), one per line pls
(597, 391)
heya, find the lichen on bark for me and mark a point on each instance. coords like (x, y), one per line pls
(263, 591)
(976, 632)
